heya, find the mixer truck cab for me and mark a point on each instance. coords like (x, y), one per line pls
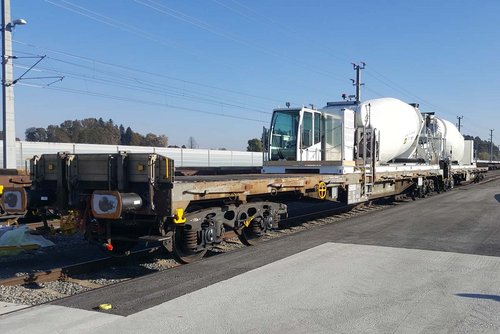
(306, 134)
(295, 135)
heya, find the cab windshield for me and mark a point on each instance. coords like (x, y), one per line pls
(284, 127)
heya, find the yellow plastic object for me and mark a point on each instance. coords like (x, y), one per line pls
(248, 221)
(179, 216)
(105, 307)
(1, 189)
(12, 222)
(322, 190)
(68, 224)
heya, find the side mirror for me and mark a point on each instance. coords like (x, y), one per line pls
(265, 139)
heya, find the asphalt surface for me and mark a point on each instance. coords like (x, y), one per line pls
(464, 220)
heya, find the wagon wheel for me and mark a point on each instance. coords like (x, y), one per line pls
(253, 233)
(185, 244)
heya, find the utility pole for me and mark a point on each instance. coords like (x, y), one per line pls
(357, 82)
(459, 119)
(9, 125)
(491, 145)
(9, 131)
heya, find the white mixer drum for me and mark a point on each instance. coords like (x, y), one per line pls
(398, 123)
(454, 141)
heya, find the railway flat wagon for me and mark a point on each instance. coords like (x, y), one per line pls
(344, 152)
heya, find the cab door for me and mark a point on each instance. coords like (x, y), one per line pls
(310, 138)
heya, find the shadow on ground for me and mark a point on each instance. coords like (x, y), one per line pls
(479, 296)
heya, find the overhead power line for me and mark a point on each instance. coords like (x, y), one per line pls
(120, 25)
(127, 99)
(165, 10)
(161, 8)
(250, 13)
(156, 90)
(143, 72)
(256, 16)
(80, 10)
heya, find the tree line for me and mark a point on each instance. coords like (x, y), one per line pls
(482, 148)
(94, 131)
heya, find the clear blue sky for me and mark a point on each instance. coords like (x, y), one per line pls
(215, 69)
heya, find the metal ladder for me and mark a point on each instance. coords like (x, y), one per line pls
(368, 180)
(366, 149)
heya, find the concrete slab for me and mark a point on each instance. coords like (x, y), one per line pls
(337, 288)
(10, 307)
(332, 288)
(53, 319)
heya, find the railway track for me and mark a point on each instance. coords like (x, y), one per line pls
(86, 267)
(47, 285)
(68, 271)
